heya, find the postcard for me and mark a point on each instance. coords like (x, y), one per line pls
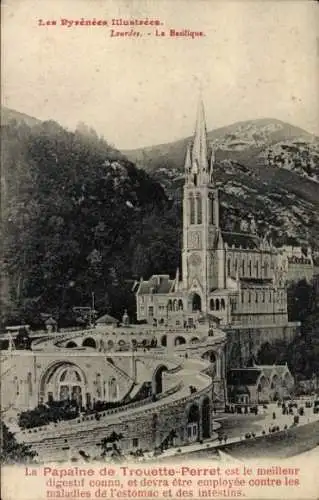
(160, 257)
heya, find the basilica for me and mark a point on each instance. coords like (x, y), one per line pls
(235, 279)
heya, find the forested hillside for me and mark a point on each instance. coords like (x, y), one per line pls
(78, 218)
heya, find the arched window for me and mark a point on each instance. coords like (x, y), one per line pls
(70, 385)
(256, 298)
(196, 302)
(257, 269)
(249, 268)
(113, 389)
(264, 296)
(180, 305)
(16, 382)
(89, 342)
(266, 265)
(243, 268)
(199, 209)
(175, 305)
(210, 210)
(98, 385)
(29, 381)
(222, 304)
(212, 304)
(242, 297)
(192, 209)
(217, 304)
(236, 266)
(249, 297)
(169, 305)
(269, 296)
(228, 267)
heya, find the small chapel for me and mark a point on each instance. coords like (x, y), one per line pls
(228, 278)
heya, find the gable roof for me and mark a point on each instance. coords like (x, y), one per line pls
(256, 281)
(158, 283)
(106, 319)
(242, 240)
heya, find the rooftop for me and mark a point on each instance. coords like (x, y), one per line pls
(158, 283)
(256, 281)
(242, 240)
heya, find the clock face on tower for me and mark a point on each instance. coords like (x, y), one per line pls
(195, 239)
(195, 260)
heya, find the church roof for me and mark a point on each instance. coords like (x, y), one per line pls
(221, 292)
(243, 240)
(106, 319)
(249, 282)
(208, 317)
(243, 376)
(279, 369)
(158, 283)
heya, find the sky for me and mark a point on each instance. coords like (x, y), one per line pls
(257, 59)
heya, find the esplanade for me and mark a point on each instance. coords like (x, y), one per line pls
(122, 380)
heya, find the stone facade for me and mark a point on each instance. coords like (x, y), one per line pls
(259, 384)
(297, 263)
(178, 408)
(235, 279)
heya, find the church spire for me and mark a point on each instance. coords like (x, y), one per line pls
(188, 160)
(200, 149)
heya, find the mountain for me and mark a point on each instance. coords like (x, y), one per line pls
(78, 218)
(266, 169)
(8, 115)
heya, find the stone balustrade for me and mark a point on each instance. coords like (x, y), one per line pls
(89, 418)
(123, 414)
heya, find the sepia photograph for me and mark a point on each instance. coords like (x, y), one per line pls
(159, 326)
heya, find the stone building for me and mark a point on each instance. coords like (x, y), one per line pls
(158, 397)
(235, 279)
(297, 262)
(259, 384)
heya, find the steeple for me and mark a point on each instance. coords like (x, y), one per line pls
(200, 151)
(201, 235)
(198, 165)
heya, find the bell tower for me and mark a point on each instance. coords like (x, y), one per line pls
(200, 215)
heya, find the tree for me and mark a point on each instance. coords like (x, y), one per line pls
(272, 353)
(115, 451)
(73, 211)
(12, 452)
(301, 300)
(22, 340)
